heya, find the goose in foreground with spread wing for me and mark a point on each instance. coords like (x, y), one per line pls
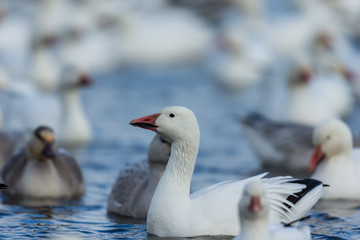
(254, 209)
(209, 211)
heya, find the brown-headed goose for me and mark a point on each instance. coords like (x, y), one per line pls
(174, 212)
(41, 170)
(134, 188)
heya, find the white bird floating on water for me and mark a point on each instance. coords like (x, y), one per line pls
(26, 108)
(312, 96)
(254, 209)
(335, 161)
(209, 211)
(281, 146)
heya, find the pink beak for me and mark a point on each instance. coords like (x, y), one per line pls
(316, 158)
(255, 205)
(147, 122)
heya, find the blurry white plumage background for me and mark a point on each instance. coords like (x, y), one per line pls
(296, 60)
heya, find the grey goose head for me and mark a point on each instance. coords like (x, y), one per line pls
(42, 144)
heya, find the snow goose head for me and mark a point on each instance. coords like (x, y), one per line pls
(332, 137)
(74, 78)
(173, 123)
(253, 204)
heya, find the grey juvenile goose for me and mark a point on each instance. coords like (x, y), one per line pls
(284, 147)
(41, 170)
(134, 188)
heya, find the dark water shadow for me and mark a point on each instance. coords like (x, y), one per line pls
(116, 218)
(222, 237)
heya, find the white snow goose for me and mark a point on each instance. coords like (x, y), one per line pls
(254, 209)
(282, 146)
(174, 212)
(335, 161)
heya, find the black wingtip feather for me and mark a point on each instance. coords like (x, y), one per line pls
(295, 221)
(310, 185)
(3, 186)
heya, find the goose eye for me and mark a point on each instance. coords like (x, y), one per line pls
(171, 115)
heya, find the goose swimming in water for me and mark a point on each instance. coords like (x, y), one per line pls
(41, 170)
(254, 209)
(336, 161)
(134, 188)
(174, 212)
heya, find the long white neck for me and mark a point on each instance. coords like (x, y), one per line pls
(172, 194)
(72, 107)
(45, 71)
(75, 128)
(180, 167)
(255, 229)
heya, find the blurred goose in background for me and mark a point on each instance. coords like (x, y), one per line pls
(75, 127)
(26, 108)
(291, 34)
(304, 104)
(41, 170)
(134, 188)
(334, 160)
(167, 32)
(83, 44)
(14, 48)
(314, 97)
(244, 50)
(45, 70)
(348, 13)
(173, 212)
(283, 147)
(237, 69)
(51, 17)
(254, 208)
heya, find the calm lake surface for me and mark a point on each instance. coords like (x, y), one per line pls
(121, 96)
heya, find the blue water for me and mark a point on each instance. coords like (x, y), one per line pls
(111, 103)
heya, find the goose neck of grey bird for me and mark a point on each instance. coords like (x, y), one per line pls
(156, 170)
(255, 228)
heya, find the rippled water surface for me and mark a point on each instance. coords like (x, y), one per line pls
(111, 103)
